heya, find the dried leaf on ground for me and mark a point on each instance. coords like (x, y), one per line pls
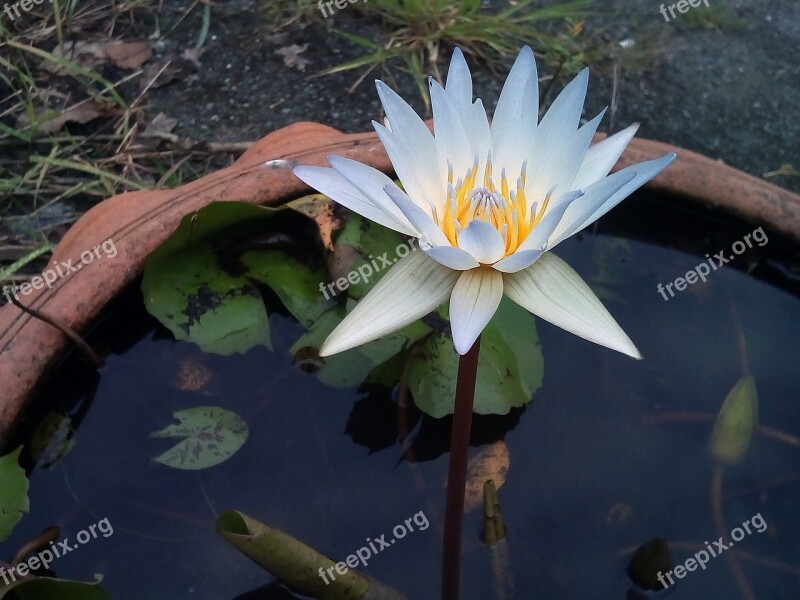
(291, 56)
(50, 121)
(125, 55)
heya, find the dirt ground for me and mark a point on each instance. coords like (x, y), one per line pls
(726, 87)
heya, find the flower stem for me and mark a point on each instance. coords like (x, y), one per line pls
(457, 474)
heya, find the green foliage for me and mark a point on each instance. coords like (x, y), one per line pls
(717, 17)
(510, 368)
(212, 435)
(13, 493)
(418, 30)
(199, 300)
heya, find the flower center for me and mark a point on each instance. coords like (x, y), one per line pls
(504, 208)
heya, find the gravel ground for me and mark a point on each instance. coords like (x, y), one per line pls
(729, 91)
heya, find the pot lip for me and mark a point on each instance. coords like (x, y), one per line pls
(139, 221)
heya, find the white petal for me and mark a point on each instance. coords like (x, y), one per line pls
(601, 157)
(565, 160)
(427, 228)
(411, 147)
(371, 183)
(538, 239)
(412, 288)
(554, 140)
(482, 241)
(580, 210)
(517, 261)
(551, 290)
(475, 299)
(452, 257)
(452, 143)
(516, 115)
(336, 187)
(459, 82)
(588, 212)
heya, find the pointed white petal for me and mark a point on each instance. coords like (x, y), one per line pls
(516, 115)
(551, 290)
(539, 238)
(595, 196)
(482, 241)
(452, 143)
(371, 183)
(427, 229)
(645, 171)
(521, 259)
(474, 301)
(411, 147)
(565, 160)
(336, 187)
(601, 157)
(459, 81)
(556, 144)
(452, 257)
(413, 287)
(587, 212)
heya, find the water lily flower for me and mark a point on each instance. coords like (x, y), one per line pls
(488, 203)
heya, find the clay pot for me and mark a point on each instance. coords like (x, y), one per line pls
(138, 222)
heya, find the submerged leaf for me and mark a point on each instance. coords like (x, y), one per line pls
(13, 493)
(52, 440)
(212, 435)
(736, 422)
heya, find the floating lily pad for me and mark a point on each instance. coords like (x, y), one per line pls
(212, 435)
(219, 306)
(736, 422)
(365, 251)
(350, 368)
(13, 493)
(510, 367)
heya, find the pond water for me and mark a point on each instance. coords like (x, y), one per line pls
(611, 453)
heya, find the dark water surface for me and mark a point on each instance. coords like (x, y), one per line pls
(611, 452)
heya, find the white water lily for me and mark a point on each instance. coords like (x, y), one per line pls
(488, 203)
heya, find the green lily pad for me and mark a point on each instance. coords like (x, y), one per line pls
(212, 435)
(47, 588)
(376, 248)
(510, 366)
(350, 368)
(13, 493)
(219, 307)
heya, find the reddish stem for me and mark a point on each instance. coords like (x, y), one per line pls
(457, 474)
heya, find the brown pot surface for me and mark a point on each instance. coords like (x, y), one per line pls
(138, 222)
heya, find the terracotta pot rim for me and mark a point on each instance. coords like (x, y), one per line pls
(139, 221)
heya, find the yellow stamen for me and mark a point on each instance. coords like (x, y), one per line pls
(504, 208)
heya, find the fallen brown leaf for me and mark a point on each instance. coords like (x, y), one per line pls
(129, 55)
(82, 112)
